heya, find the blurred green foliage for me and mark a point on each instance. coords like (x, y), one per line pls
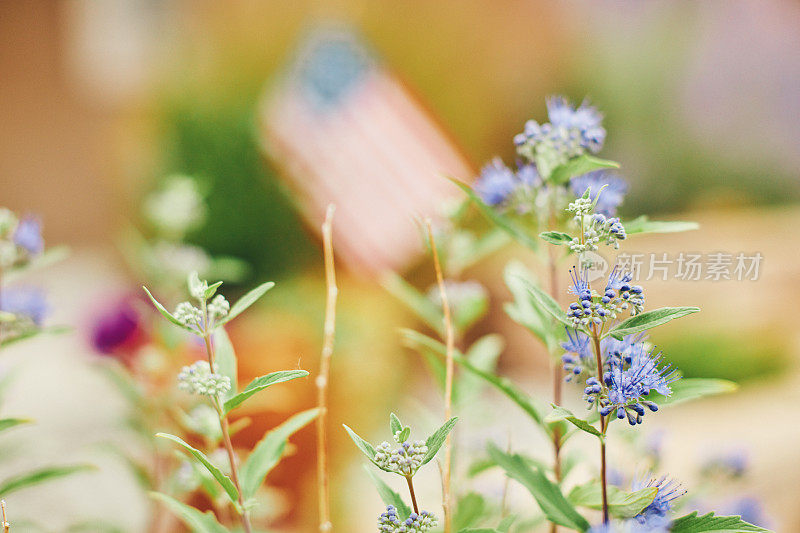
(728, 355)
(249, 215)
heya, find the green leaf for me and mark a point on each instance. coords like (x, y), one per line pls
(212, 290)
(35, 332)
(417, 302)
(269, 450)
(7, 423)
(394, 424)
(546, 493)
(221, 478)
(246, 301)
(470, 508)
(404, 434)
(195, 520)
(687, 389)
(620, 503)
(501, 221)
(483, 355)
(167, 314)
(523, 311)
(259, 384)
(692, 523)
(28, 479)
(556, 237)
(559, 413)
(414, 339)
(643, 225)
(547, 303)
(577, 166)
(389, 496)
(435, 441)
(225, 357)
(365, 447)
(649, 319)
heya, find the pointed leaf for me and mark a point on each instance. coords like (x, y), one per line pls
(259, 384)
(546, 493)
(435, 441)
(212, 290)
(246, 301)
(28, 479)
(621, 504)
(269, 450)
(559, 413)
(501, 221)
(687, 389)
(547, 303)
(7, 423)
(523, 311)
(394, 423)
(556, 237)
(649, 319)
(389, 496)
(221, 478)
(195, 520)
(577, 166)
(226, 360)
(167, 314)
(365, 447)
(643, 225)
(692, 523)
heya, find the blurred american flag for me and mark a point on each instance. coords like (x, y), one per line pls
(343, 129)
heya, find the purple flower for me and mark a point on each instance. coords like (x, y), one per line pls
(496, 183)
(28, 235)
(26, 302)
(610, 197)
(114, 328)
(528, 175)
(749, 509)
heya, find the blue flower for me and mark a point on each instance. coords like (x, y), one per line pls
(28, 235)
(578, 352)
(630, 384)
(610, 197)
(749, 509)
(528, 175)
(496, 183)
(25, 302)
(586, 119)
(656, 514)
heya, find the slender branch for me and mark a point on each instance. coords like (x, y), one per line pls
(244, 515)
(448, 387)
(603, 484)
(413, 496)
(6, 525)
(324, 374)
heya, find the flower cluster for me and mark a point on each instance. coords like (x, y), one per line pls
(201, 319)
(199, 378)
(404, 460)
(594, 308)
(570, 132)
(578, 353)
(655, 515)
(627, 386)
(390, 522)
(20, 239)
(178, 207)
(498, 185)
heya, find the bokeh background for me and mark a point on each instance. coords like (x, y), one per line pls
(100, 101)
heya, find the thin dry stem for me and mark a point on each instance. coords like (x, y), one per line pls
(450, 340)
(6, 524)
(324, 374)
